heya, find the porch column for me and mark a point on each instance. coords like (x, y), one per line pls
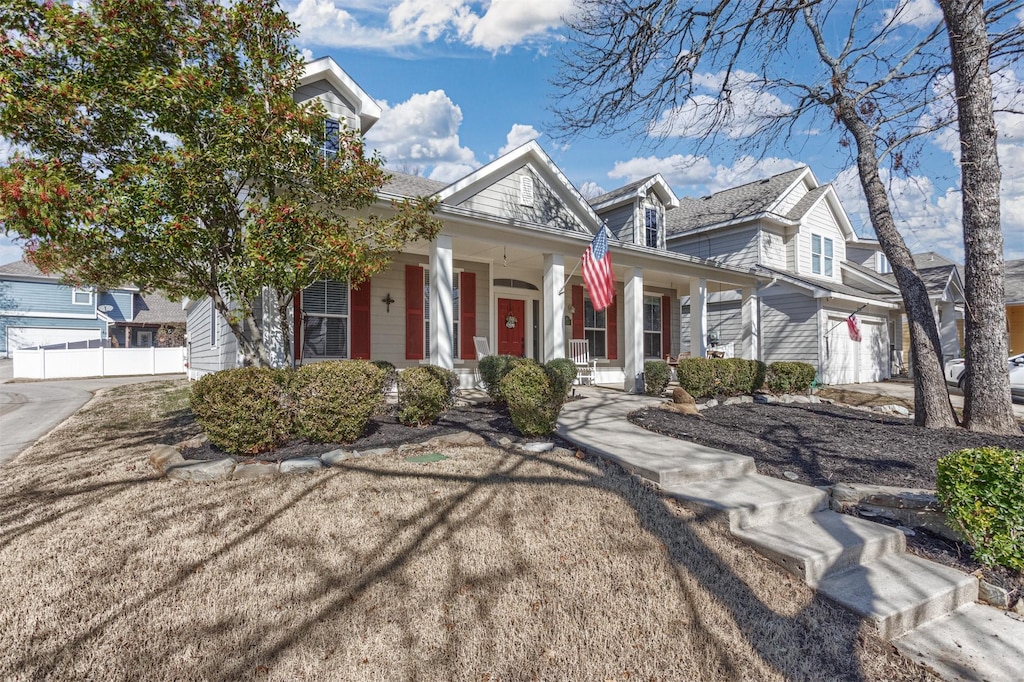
(441, 325)
(698, 317)
(633, 335)
(751, 332)
(554, 307)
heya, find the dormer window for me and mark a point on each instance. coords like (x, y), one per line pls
(821, 255)
(329, 145)
(651, 227)
(526, 190)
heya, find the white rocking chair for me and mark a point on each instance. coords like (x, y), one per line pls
(586, 369)
(483, 347)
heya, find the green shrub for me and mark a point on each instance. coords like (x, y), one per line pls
(982, 491)
(697, 376)
(334, 400)
(656, 377)
(707, 377)
(425, 393)
(789, 377)
(562, 372)
(243, 411)
(493, 369)
(533, 401)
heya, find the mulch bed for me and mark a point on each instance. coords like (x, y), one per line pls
(825, 444)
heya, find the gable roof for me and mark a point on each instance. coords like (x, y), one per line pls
(936, 272)
(823, 288)
(486, 175)
(22, 268)
(155, 308)
(328, 70)
(633, 190)
(731, 205)
(405, 185)
(1013, 281)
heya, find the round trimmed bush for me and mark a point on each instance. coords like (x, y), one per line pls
(982, 491)
(656, 377)
(697, 376)
(493, 369)
(335, 399)
(243, 411)
(425, 393)
(789, 377)
(533, 402)
(562, 372)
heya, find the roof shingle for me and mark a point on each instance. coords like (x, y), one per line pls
(730, 204)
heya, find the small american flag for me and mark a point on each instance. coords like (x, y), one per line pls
(597, 271)
(854, 325)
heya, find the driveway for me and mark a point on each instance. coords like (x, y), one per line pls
(29, 411)
(905, 389)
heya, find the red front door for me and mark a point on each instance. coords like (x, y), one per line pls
(511, 327)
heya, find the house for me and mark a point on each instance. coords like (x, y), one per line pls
(815, 273)
(37, 309)
(503, 268)
(1013, 284)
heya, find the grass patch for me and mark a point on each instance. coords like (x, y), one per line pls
(486, 565)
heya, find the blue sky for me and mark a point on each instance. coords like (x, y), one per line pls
(462, 81)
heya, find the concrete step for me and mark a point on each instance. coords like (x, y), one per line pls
(748, 501)
(900, 592)
(825, 542)
(975, 642)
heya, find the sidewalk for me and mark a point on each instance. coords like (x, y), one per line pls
(970, 642)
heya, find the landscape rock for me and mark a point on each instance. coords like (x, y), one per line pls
(798, 399)
(993, 594)
(164, 456)
(207, 470)
(194, 442)
(765, 398)
(536, 447)
(791, 475)
(301, 465)
(682, 396)
(681, 408)
(914, 507)
(504, 441)
(893, 409)
(459, 439)
(813, 399)
(250, 470)
(336, 457)
(405, 448)
(738, 400)
(711, 402)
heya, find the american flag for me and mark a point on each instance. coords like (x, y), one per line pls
(597, 271)
(854, 325)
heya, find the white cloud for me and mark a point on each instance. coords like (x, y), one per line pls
(749, 108)
(421, 133)
(922, 14)
(590, 189)
(519, 135)
(495, 26)
(9, 251)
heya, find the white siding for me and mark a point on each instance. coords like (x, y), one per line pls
(861, 256)
(502, 199)
(736, 247)
(622, 222)
(820, 221)
(724, 317)
(336, 105)
(791, 199)
(773, 249)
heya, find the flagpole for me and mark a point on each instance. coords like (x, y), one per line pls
(604, 226)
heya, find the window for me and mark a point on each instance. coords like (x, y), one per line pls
(595, 329)
(882, 265)
(325, 313)
(81, 296)
(652, 326)
(329, 145)
(821, 255)
(526, 190)
(651, 227)
(456, 312)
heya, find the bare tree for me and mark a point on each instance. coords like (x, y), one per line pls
(640, 65)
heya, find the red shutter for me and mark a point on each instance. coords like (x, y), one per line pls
(666, 326)
(359, 322)
(467, 321)
(296, 326)
(613, 331)
(413, 312)
(577, 312)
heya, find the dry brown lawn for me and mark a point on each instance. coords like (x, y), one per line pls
(486, 566)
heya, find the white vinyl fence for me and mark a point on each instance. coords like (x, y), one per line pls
(97, 362)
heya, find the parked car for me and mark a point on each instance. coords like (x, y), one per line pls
(954, 372)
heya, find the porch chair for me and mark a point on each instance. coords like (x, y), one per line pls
(483, 347)
(579, 352)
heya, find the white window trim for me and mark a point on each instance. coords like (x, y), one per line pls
(604, 329)
(660, 332)
(214, 326)
(657, 227)
(334, 316)
(822, 258)
(882, 264)
(81, 290)
(456, 316)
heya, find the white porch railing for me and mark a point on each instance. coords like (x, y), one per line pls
(97, 362)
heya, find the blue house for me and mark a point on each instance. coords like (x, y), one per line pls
(37, 309)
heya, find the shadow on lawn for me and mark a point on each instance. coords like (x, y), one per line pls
(819, 653)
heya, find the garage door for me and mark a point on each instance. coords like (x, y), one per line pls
(26, 337)
(850, 362)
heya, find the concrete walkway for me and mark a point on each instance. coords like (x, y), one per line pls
(928, 610)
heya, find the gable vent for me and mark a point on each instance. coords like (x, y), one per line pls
(526, 190)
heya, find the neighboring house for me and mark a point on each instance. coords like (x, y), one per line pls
(943, 280)
(1014, 287)
(155, 321)
(36, 309)
(816, 272)
(503, 268)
